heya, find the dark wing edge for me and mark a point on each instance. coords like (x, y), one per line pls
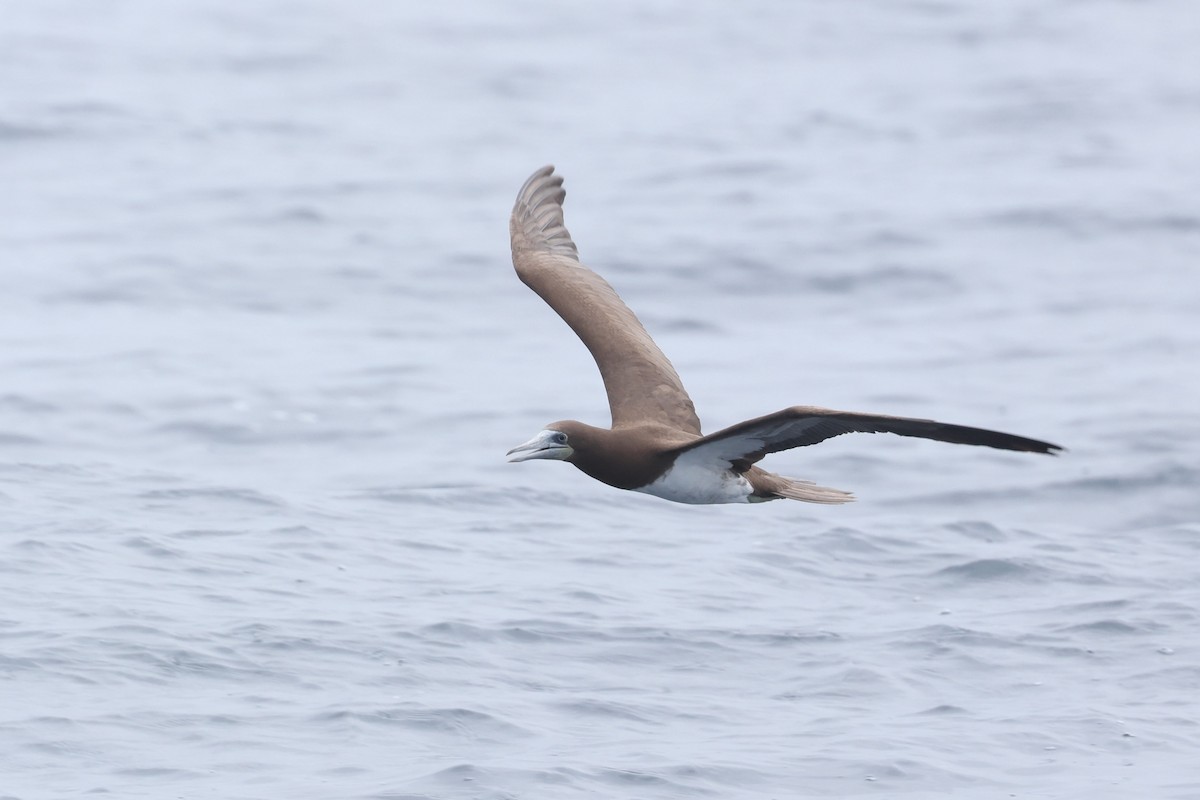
(800, 426)
(641, 383)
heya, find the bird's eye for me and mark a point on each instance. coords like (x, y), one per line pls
(560, 437)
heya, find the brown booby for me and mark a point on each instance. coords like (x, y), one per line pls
(655, 444)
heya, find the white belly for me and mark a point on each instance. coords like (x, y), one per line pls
(689, 482)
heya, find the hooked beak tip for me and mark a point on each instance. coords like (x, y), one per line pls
(520, 453)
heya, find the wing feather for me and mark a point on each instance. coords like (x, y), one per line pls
(642, 385)
(747, 442)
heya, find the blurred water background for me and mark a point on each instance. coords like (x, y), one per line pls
(262, 352)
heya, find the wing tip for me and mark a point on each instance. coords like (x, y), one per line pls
(537, 217)
(535, 183)
(1023, 444)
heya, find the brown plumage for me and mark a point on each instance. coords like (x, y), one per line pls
(642, 385)
(655, 444)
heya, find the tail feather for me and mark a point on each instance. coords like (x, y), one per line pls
(809, 492)
(769, 486)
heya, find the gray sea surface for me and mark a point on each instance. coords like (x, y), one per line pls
(262, 352)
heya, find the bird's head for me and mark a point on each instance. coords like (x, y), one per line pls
(554, 443)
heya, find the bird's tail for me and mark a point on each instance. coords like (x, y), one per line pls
(806, 491)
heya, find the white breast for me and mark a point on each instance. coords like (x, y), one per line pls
(691, 480)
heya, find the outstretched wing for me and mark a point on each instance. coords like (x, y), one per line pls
(642, 385)
(746, 442)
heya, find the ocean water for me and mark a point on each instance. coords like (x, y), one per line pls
(263, 352)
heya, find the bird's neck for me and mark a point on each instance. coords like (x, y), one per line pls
(627, 458)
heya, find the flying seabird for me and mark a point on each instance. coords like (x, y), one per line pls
(655, 444)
